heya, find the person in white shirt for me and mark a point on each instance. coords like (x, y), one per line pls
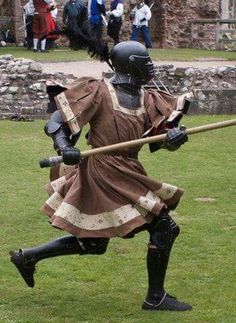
(115, 20)
(140, 15)
(28, 23)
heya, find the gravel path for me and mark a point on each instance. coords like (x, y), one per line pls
(95, 68)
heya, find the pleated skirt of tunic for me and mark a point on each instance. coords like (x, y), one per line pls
(107, 196)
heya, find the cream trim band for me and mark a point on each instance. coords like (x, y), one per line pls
(68, 113)
(114, 218)
(118, 107)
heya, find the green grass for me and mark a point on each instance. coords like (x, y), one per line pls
(64, 54)
(58, 55)
(187, 54)
(111, 288)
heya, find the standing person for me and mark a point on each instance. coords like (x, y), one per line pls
(70, 16)
(52, 25)
(40, 22)
(140, 16)
(74, 14)
(115, 20)
(110, 195)
(96, 13)
(29, 13)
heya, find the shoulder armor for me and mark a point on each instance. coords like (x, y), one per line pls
(54, 123)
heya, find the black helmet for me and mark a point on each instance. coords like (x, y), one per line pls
(132, 58)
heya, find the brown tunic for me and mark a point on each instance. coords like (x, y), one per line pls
(109, 195)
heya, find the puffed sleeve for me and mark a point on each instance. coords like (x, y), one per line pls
(164, 111)
(79, 104)
(163, 107)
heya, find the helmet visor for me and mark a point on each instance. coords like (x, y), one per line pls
(141, 68)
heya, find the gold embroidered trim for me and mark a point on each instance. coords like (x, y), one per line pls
(166, 191)
(100, 221)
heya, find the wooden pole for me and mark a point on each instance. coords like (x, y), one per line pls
(158, 138)
(138, 142)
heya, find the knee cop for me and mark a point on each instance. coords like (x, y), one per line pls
(163, 231)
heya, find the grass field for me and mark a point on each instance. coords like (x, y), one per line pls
(111, 288)
(65, 55)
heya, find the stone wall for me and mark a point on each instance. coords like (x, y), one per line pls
(6, 8)
(178, 16)
(23, 87)
(214, 88)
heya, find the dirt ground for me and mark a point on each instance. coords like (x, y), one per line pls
(95, 68)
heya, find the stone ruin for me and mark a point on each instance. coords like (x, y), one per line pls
(170, 24)
(214, 88)
(23, 87)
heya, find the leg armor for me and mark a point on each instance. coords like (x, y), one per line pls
(26, 259)
(163, 232)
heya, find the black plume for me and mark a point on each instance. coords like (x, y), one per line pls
(83, 37)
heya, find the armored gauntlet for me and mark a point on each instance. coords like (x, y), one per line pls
(175, 138)
(71, 155)
(63, 141)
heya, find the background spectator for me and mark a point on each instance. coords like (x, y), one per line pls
(96, 12)
(41, 26)
(50, 41)
(115, 20)
(72, 13)
(70, 16)
(140, 16)
(28, 15)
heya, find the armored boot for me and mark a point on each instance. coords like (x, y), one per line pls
(163, 232)
(26, 259)
(157, 299)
